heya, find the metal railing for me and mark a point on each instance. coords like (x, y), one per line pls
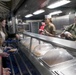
(16, 61)
(70, 45)
(18, 57)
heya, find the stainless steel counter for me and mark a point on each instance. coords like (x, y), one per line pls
(65, 68)
(52, 62)
(40, 67)
(62, 68)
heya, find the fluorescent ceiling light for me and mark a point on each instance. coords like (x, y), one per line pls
(56, 12)
(29, 15)
(39, 12)
(58, 4)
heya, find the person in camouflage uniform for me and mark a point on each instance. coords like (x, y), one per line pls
(70, 32)
(49, 29)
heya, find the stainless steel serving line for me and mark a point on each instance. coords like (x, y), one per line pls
(54, 62)
(40, 67)
(53, 40)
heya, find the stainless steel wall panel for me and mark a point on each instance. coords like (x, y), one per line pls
(60, 22)
(71, 18)
(34, 27)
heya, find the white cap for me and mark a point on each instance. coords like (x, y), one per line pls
(48, 16)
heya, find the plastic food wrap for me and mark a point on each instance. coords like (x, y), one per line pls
(26, 42)
(42, 49)
(56, 56)
(35, 43)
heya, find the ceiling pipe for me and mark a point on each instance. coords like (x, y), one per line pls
(4, 5)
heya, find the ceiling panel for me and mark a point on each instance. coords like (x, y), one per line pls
(32, 5)
(5, 6)
(6, 0)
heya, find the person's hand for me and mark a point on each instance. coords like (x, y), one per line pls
(62, 35)
(43, 32)
(7, 47)
(49, 34)
(68, 34)
(13, 50)
(6, 71)
(39, 29)
(17, 36)
(4, 54)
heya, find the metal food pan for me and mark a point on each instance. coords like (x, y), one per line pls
(71, 70)
(56, 56)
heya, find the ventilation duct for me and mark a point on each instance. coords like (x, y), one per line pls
(6, 0)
